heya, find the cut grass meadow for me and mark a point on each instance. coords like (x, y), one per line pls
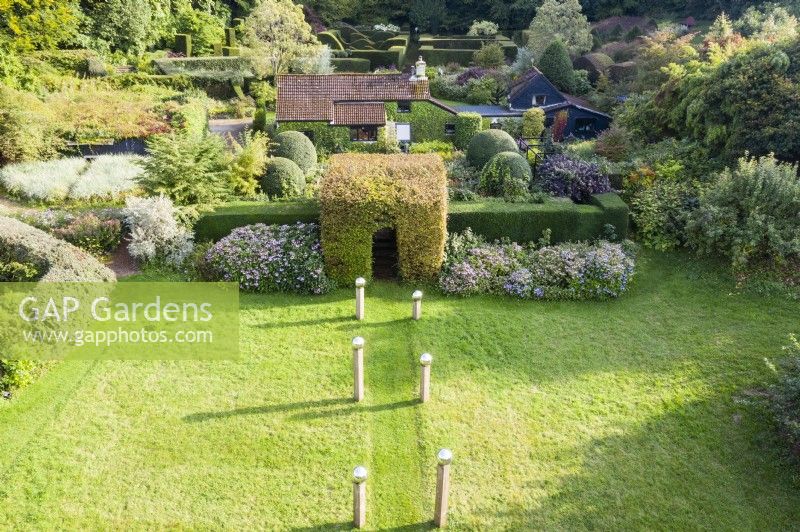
(617, 415)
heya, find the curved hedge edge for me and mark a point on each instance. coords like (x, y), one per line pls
(65, 262)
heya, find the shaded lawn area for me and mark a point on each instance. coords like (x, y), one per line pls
(617, 415)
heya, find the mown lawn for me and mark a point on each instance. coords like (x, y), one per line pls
(617, 415)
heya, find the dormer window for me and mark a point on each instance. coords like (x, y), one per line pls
(539, 100)
(404, 106)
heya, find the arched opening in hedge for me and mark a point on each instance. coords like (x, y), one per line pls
(384, 254)
(364, 193)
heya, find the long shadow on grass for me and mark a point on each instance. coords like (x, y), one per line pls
(265, 409)
(303, 405)
(353, 408)
(708, 465)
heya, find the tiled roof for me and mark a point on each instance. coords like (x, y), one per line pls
(359, 113)
(312, 97)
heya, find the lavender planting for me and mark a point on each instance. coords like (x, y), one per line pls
(565, 271)
(272, 258)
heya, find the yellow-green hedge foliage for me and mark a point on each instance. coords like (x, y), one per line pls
(362, 193)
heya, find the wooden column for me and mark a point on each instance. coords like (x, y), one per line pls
(444, 457)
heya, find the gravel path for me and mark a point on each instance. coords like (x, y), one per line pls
(122, 263)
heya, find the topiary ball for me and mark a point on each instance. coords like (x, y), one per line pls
(296, 147)
(486, 144)
(502, 168)
(282, 179)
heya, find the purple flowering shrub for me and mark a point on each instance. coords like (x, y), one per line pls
(565, 271)
(272, 258)
(561, 175)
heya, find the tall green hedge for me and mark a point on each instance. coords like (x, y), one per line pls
(351, 64)
(467, 124)
(381, 58)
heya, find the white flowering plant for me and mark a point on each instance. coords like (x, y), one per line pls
(155, 233)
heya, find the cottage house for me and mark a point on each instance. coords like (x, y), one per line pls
(533, 89)
(337, 110)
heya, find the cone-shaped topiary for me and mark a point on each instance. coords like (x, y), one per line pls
(486, 144)
(556, 65)
(282, 179)
(502, 168)
(295, 146)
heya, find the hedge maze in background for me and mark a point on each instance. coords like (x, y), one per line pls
(363, 50)
(440, 51)
(364, 193)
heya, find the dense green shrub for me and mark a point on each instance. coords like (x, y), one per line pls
(441, 57)
(364, 193)
(750, 214)
(660, 213)
(191, 172)
(614, 144)
(204, 28)
(533, 123)
(283, 179)
(249, 162)
(489, 56)
(502, 173)
(296, 147)
(556, 65)
(467, 124)
(486, 144)
(27, 131)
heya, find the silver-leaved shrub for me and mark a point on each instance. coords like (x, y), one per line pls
(155, 233)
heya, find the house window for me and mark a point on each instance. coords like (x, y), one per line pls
(585, 126)
(449, 129)
(404, 106)
(539, 100)
(364, 133)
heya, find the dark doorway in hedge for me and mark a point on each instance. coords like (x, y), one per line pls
(384, 254)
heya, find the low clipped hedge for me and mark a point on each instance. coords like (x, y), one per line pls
(351, 64)
(493, 219)
(525, 222)
(219, 223)
(60, 260)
